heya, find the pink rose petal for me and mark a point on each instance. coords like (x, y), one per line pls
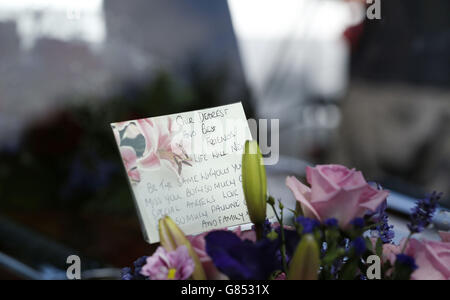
(336, 192)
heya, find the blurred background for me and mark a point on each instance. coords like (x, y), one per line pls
(369, 94)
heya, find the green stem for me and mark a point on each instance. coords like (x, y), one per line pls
(406, 242)
(283, 239)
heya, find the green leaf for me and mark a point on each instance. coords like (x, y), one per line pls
(331, 256)
(349, 270)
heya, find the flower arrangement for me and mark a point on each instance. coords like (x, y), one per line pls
(341, 231)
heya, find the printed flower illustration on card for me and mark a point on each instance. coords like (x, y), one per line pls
(149, 144)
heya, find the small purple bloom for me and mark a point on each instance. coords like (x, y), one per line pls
(406, 260)
(308, 225)
(331, 222)
(383, 230)
(359, 244)
(422, 214)
(358, 222)
(267, 227)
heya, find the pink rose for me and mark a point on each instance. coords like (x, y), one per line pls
(432, 259)
(336, 192)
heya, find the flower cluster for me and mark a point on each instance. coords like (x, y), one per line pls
(341, 223)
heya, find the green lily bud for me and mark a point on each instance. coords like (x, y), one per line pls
(305, 263)
(171, 237)
(254, 182)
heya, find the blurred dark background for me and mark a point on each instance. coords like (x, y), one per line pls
(370, 94)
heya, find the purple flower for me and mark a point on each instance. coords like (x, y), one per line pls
(163, 265)
(383, 230)
(359, 244)
(292, 239)
(242, 259)
(422, 214)
(307, 225)
(406, 260)
(127, 274)
(135, 272)
(358, 223)
(267, 227)
(331, 222)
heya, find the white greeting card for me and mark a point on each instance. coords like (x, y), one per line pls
(187, 166)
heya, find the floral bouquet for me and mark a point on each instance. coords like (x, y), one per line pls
(340, 232)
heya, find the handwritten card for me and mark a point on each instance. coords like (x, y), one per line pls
(187, 166)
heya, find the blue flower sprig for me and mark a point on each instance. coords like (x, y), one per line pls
(423, 212)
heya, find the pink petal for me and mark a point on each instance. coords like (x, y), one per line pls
(439, 255)
(182, 262)
(343, 206)
(129, 157)
(334, 173)
(150, 161)
(353, 180)
(134, 175)
(301, 193)
(432, 258)
(322, 188)
(372, 198)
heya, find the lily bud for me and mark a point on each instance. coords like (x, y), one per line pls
(254, 182)
(171, 237)
(305, 263)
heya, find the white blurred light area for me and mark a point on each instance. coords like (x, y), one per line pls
(288, 37)
(279, 18)
(293, 52)
(66, 20)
